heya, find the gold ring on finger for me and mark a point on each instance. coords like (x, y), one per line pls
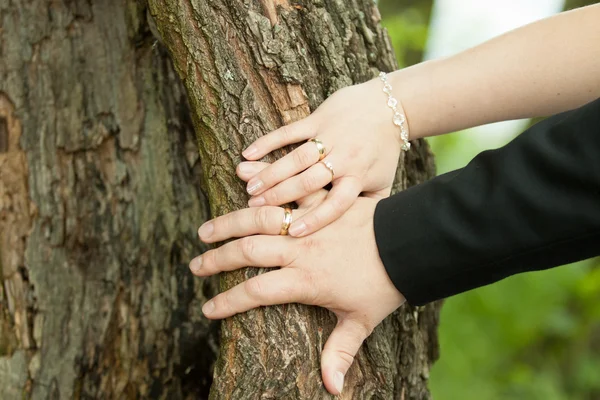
(328, 165)
(287, 221)
(320, 147)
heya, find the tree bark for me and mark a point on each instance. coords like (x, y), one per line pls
(99, 204)
(248, 67)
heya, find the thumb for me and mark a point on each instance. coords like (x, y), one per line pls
(339, 352)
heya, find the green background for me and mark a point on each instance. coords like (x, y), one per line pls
(531, 336)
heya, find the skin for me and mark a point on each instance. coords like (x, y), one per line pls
(320, 269)
(544, 68)
(540, 69)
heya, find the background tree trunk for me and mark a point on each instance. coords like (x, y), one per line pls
(99, 204)
(249, 67)
(412, 17)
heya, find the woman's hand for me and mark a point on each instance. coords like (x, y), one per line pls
(337, 267)
(362, 145)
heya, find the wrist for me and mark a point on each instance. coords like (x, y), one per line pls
(412, 88)
(392, 292)
(389, 110)
(398, 117)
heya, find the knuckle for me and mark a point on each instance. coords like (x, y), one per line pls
(301, 157)
(253, 288)
(284, 134)
(269, 175)
(310, 289)
(285, 292)
(309, 243)
(281, 259)
(247, 247)
(346, 356)
(336, 204)
(309, 183)
(362, 331)
(314, 221)
(355, 153)
(226, 302)
(208, 260)
(261, 217)
(271, 197)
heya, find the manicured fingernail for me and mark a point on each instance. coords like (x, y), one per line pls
(297, 229)
(196, 264)
(250, 151)
(206, 230)
(338, 381)
(254, 185)
(209, 307)
(256, 201)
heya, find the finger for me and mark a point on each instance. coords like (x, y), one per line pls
(287, 134)
(252, 170)
(339, 199)
(311, 180)
(311, 200)
(245, 222)
(284, 168)
(304, 202)
(257, 251)
(339, 352)
(378, 195)
(288, 285)
(248, 169)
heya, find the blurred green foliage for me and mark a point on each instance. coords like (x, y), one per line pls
(531, 336)
(407, 23)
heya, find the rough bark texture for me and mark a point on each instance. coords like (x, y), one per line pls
(99, 204)
(249, 67)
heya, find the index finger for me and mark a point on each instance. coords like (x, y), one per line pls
(287, 134)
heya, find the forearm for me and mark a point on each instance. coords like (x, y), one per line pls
(533, 204)
(540, 69)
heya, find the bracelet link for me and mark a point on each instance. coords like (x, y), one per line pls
(399, 119)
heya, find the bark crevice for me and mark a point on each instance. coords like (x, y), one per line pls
(106, 307)
(240, 64)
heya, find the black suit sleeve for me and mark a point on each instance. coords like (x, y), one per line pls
(530, 205)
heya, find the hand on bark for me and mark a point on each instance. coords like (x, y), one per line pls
(337, 267)
(361, 144)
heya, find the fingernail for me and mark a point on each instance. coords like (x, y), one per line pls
(246, 168)
(254, 185)
(256, 201)
(297, 229)
(209, 307)
(338, 381)
(206, 230)
(250, 151)
(196, 264)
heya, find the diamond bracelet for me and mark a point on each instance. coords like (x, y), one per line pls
(399, 118)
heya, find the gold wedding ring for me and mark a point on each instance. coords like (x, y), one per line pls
(320, 147)
(287, 221)
(328, 165)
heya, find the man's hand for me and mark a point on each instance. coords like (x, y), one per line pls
(337, 267)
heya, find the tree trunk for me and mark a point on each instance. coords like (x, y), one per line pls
(249, 67)
(99, 204)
